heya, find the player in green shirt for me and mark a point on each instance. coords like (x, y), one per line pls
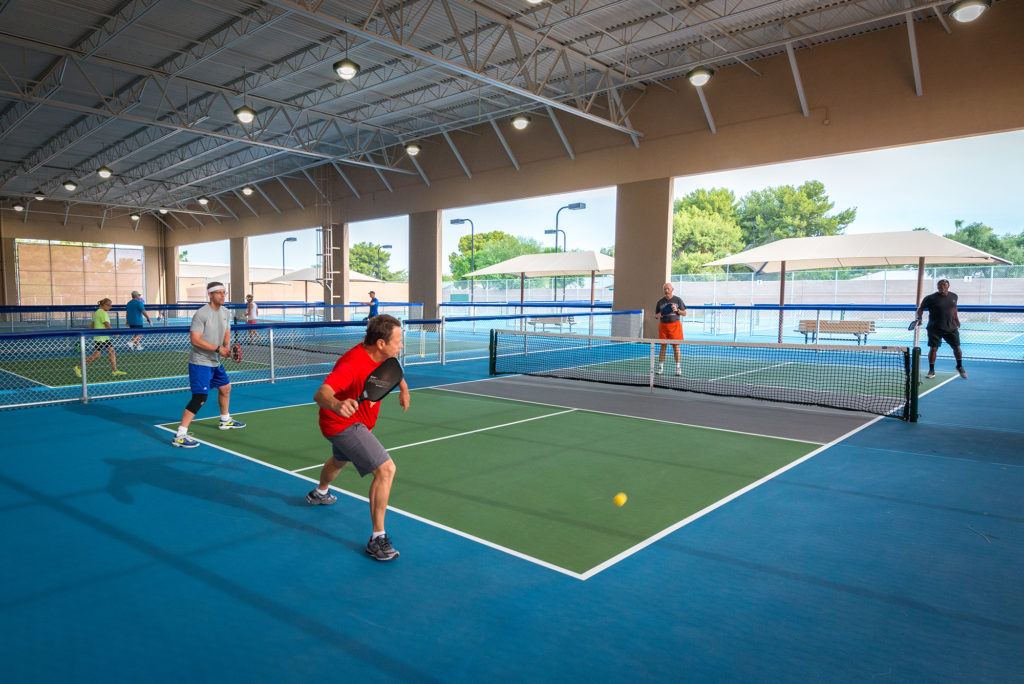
(100, 320)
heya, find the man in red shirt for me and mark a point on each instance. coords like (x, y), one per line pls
(346, 423)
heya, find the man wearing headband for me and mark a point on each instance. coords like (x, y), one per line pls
(210, 336)
(943, 324)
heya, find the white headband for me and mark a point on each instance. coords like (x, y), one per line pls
(215, 288)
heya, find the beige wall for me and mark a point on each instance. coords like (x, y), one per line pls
(860, 92)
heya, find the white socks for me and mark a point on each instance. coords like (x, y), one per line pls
(182, 431)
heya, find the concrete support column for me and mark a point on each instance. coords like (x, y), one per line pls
(339, 250)
(643, 246)
(171, 275)
(154, 287)
(239, 269)
(425, 260)
(9, 284)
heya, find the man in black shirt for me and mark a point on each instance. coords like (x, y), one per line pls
(668, 310)
(943, 324)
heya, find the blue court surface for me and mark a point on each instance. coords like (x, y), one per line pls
(895, 554)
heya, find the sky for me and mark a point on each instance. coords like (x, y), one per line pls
(931, 185)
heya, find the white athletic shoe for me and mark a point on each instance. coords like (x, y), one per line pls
(661, 368)
(679, 369)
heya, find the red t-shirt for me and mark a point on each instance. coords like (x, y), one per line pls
(347, 378)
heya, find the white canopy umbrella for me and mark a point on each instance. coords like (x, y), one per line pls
(312, 275)
(552, 264)
(866, 249)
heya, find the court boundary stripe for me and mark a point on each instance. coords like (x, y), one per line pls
(459, 434)
(413, 516)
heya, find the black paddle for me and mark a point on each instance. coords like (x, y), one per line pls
(914, 323)
(382, 380)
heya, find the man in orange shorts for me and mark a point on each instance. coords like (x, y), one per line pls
(668, 310)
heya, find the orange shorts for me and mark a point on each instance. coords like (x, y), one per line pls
(670, 331)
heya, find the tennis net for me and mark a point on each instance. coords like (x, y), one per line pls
(862, 378)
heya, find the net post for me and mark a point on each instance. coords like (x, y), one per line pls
(442, 341)
(492, 349)
(84, 366)
(651, 372)
(273, 374)
(915, 376)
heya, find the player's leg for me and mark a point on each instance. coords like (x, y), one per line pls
(934, 341)
(113, 360)
(220, 380)
(199, 383)
(953, 340)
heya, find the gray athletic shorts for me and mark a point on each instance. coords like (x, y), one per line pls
(357, 444)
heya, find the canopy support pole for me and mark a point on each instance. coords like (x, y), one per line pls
(522, 300)
(917, 300)
(782, 296)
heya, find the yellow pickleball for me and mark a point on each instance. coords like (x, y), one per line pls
(619, 499)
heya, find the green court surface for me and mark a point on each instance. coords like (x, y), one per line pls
(535, 479)
(143, 365)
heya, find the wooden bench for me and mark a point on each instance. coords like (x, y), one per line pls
(817, 330)
(554, 321)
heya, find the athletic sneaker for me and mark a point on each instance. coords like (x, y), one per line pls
(380, 548)
(661, 368)
(962, 372)
(185, 441)
(931, 374)
(78, 371)
(679, 369)
(315, 498)
(118, 373)
(231, 425)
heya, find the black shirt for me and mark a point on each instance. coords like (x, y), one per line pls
(664, 306)
(940, 311)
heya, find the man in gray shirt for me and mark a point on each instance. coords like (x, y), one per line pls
(210, 336)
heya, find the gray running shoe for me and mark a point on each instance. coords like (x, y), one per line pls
(317, 499)
(185, 441)
(931, 374)
(962, 372)
(381, 549)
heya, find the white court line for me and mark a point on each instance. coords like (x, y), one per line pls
(426, 521)
(753, 370)
(41, 384)
(468, 432)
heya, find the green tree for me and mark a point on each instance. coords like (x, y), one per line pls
(786, 212)
(700, 236)
(362, 258)
(608, 251)
(460, 262)
(721, 201)
(183, 256)
(980, 236)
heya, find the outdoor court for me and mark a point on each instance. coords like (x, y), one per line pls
(862, 543)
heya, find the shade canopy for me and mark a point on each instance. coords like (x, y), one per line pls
(865, 249)
(311, 275)
(552, 264)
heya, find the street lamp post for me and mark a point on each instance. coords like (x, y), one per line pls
(472, 252)
(283, 242)
(380, 247)
(575, 206)
(555, 232)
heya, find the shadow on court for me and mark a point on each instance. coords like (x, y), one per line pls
(129, 477)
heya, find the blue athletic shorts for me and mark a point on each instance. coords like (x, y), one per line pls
(202, 378)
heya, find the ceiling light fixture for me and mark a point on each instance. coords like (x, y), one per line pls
(412, 149)
(70, 185)
(163, 211)
(346, 69)
(134, 217)
(534, 2)
(104, 172)
(968, 10)
(39, 196)
(520, 121)
(18, 206)
(204, 200)
(247, 190)
(245, 114)
(700, 76)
